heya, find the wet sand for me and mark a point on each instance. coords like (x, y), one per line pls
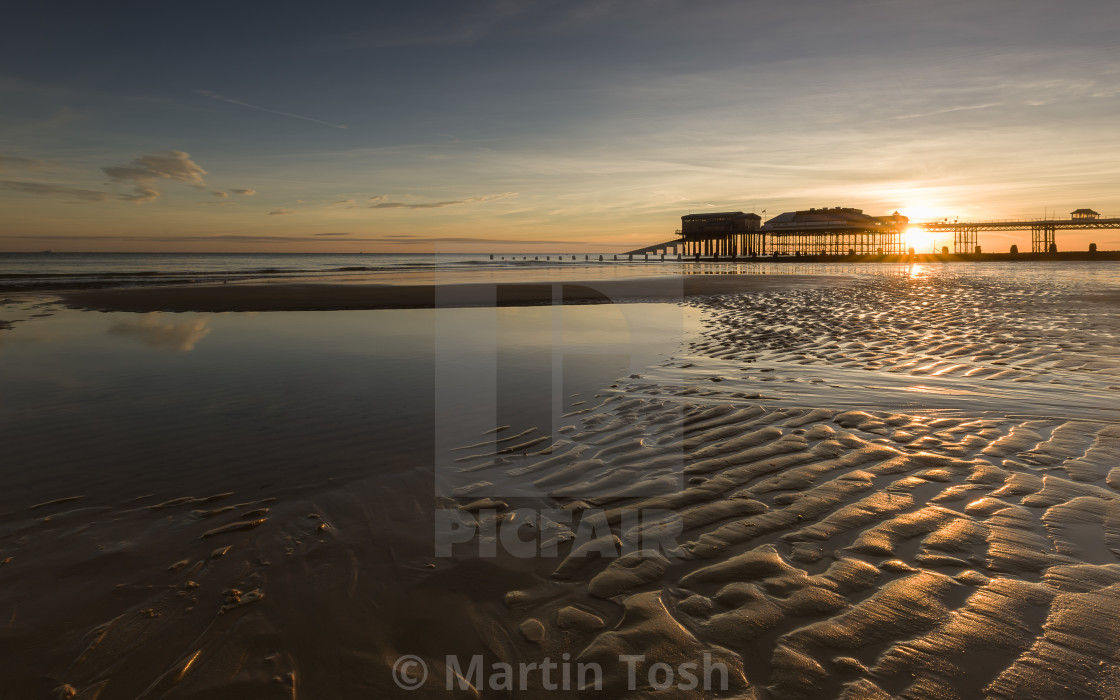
(835, 549)
(908, 487)
(313, 297)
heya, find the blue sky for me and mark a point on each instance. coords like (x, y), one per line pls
(580, 125)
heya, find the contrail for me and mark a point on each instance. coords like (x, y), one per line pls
(215, 96)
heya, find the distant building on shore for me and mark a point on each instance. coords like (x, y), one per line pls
(1084, 214)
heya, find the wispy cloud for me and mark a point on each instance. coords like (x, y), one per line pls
(143, 173)
(281, 212)
(948, 110)
(244, 192)
(48, 190)
(230, 100)
(380, 203)
(21, 163)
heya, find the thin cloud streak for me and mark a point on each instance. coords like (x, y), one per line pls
(23, 163)
(437, 205)
(948, 110)
(41, 189)
(230, 100)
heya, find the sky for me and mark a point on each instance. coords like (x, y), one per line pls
(563, 125)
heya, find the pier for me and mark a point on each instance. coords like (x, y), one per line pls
(1043, 231)
(832, 232)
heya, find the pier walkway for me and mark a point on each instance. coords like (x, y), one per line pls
(1042, 230)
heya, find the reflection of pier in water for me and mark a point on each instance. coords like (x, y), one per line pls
(844, 231)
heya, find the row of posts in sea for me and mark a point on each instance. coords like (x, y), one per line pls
(852, 256)
(630, 257)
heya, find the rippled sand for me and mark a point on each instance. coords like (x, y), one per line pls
(965, 546)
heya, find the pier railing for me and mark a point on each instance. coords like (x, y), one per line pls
(983, 222)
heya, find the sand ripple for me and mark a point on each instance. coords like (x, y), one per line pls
(832, 551)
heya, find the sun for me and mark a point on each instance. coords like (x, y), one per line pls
(920, 240)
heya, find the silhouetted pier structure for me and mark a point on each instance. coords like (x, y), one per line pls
(836, 231)
(718, 234)
(825, 231)
(845, 232)
(1043, 238)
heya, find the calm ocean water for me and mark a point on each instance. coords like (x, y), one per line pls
(45, 271)
(59, 271)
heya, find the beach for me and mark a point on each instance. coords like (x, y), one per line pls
(829, 483)
(540, 350)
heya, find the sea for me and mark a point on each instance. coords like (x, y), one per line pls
(45, 271)
(57, 271)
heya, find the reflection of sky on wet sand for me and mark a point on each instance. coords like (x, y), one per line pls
(153, 331)
(530, 367)
(114, 405)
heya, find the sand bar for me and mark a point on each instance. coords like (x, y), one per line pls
(320, 297)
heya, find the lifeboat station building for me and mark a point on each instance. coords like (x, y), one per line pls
(724, 234)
